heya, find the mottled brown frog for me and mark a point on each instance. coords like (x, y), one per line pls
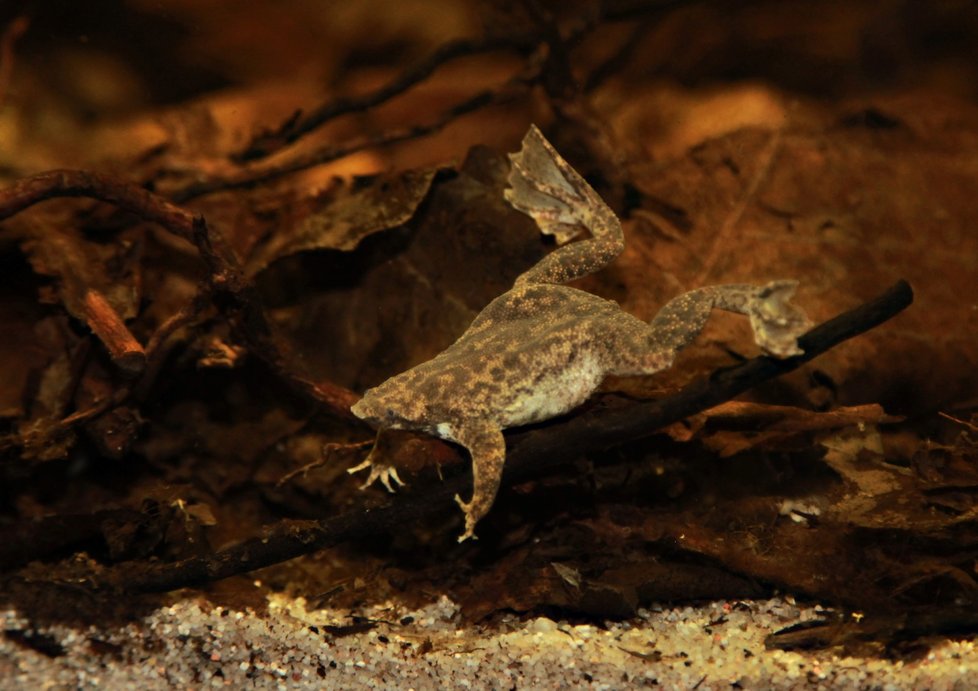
(540, 349)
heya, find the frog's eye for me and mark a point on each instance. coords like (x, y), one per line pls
(390, 414)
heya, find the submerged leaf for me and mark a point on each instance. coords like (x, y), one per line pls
(347, 214)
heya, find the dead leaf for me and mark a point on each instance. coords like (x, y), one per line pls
(347, 214)
(412, 292)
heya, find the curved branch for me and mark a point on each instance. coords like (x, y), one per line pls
(268, 142)
(54, 184)
(251, 176)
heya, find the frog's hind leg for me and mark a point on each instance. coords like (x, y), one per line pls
(777, 324)
(486, 445)
(545, 187)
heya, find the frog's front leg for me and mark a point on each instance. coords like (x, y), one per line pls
(379, 468)
(486, 445)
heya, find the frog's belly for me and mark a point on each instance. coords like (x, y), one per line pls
(554, 394)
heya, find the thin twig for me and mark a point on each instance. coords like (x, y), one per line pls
(102, 318)
(299, 124)
(963, 423)
(328, 453)
(255, 175)
(161, 342)
(614, 63)
(270, 142)
(184, 316)
(531, 452)
(82, 183)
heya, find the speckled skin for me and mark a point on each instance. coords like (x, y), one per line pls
(541, 348)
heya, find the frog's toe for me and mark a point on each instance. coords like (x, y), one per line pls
(386, 475)
(378, 472)
(470, 520)
(776, 322)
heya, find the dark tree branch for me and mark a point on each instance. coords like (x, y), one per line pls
(532, 452)
(269, 142)
(550, 55)
(81, 183)
(256, 175)
(892, 627)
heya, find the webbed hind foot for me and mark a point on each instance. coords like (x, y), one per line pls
(545, 187)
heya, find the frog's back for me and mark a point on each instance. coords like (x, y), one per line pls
(533, 353)
(537, 306)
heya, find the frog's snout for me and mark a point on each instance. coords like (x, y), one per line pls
(367, 409)
(373, 410)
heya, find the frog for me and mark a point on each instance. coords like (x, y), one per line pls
(540, 349)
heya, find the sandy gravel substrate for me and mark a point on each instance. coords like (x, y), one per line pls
(193, 644)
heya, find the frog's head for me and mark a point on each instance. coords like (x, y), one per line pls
(391, 407)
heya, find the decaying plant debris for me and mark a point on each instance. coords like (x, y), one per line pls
(194, 292)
